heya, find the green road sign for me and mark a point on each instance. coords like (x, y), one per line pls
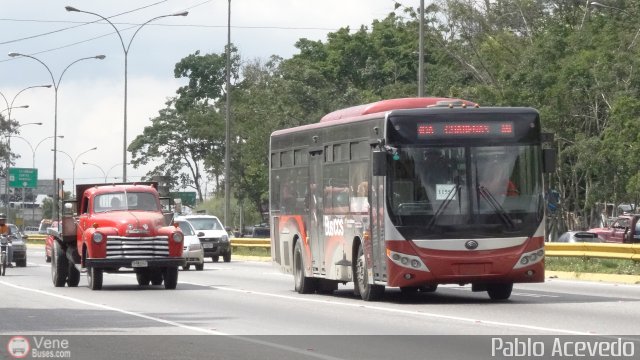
(23, 177)
(188, 197)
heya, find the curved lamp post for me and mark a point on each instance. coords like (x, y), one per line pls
(33, 165)
(8, 164)
(99, 167)
(73, 168)
(56, 85)
(111, 168)
(126, 53)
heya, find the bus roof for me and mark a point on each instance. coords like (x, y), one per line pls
(391, 104)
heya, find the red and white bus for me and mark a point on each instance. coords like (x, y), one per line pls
(410, 193)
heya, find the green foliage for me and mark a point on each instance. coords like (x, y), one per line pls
(573, 61)
(588, 265)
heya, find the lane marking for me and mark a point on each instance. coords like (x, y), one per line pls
(398, 311)
(173, 323)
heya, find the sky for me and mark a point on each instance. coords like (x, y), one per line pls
(91, 92)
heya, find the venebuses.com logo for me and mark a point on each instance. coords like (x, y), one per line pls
(18, 347)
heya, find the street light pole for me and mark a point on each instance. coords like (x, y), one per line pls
(125, 49)
(8, 164)
(56, 85)
(73, 167)
(421, 52)
(33, 166)
(227, 131)
(99, 167)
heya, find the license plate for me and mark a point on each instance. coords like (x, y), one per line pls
(139, 263)
(207, 246)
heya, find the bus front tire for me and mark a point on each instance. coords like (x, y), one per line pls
(499, 291)
(368, 292)
(303, 284)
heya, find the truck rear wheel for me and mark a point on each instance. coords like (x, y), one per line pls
(59, 265)
(156, 278)
(143, 278)
(95, 278)
(170, 276)
(73, 279)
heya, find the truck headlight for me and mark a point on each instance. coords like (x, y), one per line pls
(178, 237)
(224, 238)
(97, 237)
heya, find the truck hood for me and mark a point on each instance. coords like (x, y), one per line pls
(131, 223)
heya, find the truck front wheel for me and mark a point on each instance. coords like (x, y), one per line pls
(170, 276)
(59, 265)
(95, 278)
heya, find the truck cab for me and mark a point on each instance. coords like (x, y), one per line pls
(625, 229)
(115, 227)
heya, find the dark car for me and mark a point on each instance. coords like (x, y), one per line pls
(578, 236)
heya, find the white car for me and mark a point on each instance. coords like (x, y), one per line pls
(192, 253)
(213, 236)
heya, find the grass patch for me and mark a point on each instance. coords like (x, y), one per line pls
(592, 265)
(251, 251)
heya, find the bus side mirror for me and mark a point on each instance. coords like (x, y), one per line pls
(379, 163)
(548, 160)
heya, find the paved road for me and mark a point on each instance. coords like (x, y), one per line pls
(249, 298)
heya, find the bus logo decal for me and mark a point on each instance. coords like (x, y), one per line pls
(333, 227)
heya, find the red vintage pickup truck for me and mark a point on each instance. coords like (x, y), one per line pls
(625, 229)
(113, 227)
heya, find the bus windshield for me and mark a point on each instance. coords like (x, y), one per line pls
(466, 191)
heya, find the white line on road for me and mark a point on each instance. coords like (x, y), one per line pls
(173, 323)
(399, 311)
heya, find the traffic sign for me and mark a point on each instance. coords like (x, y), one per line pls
(188, 197)
(23, 178)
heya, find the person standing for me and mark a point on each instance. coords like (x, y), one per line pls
(6, 231)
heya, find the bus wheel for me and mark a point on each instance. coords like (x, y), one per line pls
(368, 292)
(429, 288)
(303, 284)
(499, 291)
(409, 289)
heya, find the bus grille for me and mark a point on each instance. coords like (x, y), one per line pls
(137, 247)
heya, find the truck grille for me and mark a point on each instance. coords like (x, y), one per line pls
(137, 247)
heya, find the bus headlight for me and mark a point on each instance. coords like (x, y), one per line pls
(407, 261)
(530, 258)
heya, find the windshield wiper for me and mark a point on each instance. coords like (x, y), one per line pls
(499, 210)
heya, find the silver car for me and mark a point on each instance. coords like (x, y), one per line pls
(192, 252)
(578, 236)
(19, 246)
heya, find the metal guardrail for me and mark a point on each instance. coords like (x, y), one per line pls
(594, 250)
(251, 242)
(586, 250)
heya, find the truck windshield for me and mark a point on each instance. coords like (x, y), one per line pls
(453, 192)
(118, 201)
